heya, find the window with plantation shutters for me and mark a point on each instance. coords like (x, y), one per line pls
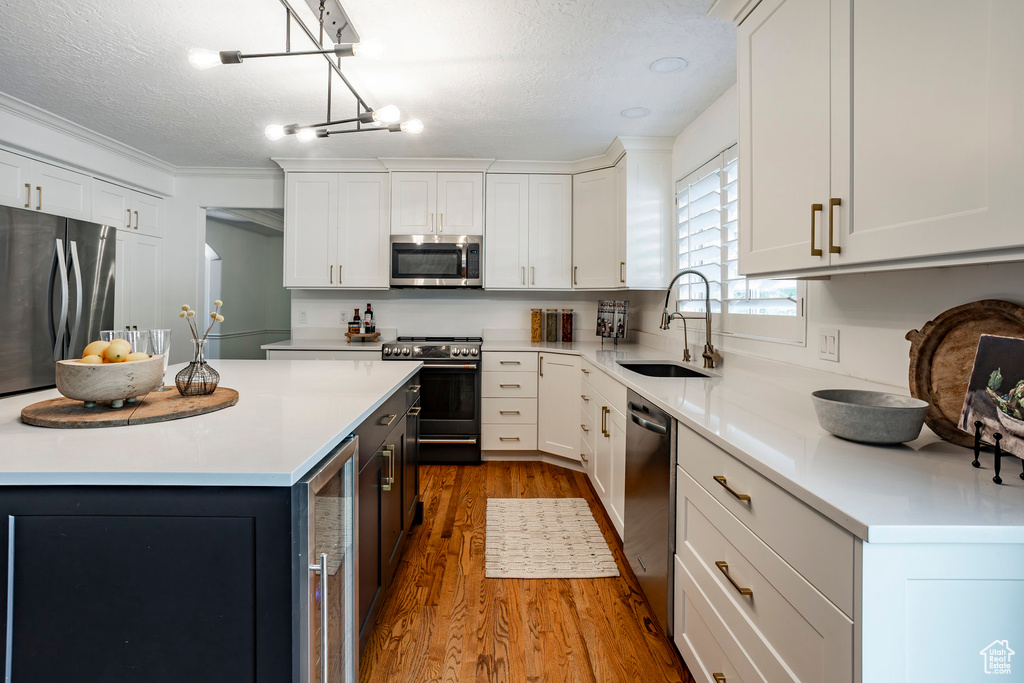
(707, 241)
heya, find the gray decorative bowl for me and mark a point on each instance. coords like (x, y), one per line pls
(869, 416)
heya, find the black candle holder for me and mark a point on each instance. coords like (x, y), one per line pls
(998, 459)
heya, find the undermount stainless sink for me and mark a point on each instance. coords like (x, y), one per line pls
(661, 368)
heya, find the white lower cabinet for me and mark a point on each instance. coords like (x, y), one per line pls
(138, 281)
(509, 401)
(603, 404)
(558, 387)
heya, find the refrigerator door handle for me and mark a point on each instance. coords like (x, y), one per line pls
(76, 268)
(58, 266)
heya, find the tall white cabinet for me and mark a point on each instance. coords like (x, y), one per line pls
(432, 203)
(863, 144)
(528, 239)
(336, 230)
(138, 281)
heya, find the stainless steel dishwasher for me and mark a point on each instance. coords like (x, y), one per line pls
(649, 538)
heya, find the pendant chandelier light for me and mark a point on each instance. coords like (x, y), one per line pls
(366, 118)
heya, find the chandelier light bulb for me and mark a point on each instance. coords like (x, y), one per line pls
(306, 134)
(415, 126)
(371, 49)
(274, 131)
(203, 59)
(388, 114)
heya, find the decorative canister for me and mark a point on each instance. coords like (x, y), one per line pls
(197, 378)
(536, 325)
(566, 324)
(551, 325)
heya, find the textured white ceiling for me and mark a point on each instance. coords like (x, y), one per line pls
(504, 79)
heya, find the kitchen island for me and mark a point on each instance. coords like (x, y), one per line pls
(167, 552)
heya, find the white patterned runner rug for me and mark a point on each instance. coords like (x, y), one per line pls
(545, 538)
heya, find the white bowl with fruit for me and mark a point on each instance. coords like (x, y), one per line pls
(109, 371)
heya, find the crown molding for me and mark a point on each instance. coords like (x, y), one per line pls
(34, 114)
(536, 167)
(257, 173)
(328, 165)
(440, 164)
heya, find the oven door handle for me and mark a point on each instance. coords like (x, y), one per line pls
(449, 367)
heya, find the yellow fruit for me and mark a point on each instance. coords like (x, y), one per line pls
(91, 359)
(117, 353)
(138, 355)
(95, 348)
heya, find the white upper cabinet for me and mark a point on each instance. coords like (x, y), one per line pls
(138, 281)
(460, 203)
(430, 203)
(595, 252)
(864, 146)
(529, 231)
(37, 186)
(336, 230)
(126, 209)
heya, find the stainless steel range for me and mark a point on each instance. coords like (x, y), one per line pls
(450, 395)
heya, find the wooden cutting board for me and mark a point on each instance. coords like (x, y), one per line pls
(156, 406)
(942, 357)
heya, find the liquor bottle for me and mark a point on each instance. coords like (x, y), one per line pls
(368, 318)
(355, 326)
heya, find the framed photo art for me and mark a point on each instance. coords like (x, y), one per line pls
(612, 320)
(995, 394)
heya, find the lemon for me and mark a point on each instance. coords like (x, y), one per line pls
(92, 359)
(117, 352)
(138, 355)
(95, 348)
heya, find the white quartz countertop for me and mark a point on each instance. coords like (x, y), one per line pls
(327, 345)
(290, 414)
(760, 411)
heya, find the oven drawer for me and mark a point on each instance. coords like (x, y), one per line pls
(509, 437)
(509, 411)
(510, 361)
(510, 385)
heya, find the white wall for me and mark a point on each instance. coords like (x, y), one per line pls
(256, 304)
(873, 312)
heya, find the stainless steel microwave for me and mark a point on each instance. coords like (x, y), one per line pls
(436, 261)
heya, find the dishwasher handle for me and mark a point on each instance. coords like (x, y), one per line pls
(644, 422)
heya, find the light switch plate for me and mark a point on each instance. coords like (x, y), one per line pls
(828, 344)
(303, 318)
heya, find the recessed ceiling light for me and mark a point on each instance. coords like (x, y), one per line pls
(635, 112)
(668, 65)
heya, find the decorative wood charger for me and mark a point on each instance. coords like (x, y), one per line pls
(156, 406)
(942, 357)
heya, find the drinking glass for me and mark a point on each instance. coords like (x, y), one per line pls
(138, 339)
(160, 344)
(109, 335)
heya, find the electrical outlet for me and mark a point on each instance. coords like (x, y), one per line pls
(303, 317)
(828, 344)
(343, 319)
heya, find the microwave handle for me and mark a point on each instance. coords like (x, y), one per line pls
(465, 272)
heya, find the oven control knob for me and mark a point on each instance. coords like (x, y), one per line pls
(387, 350)
(474, 351)
(406, 351)
(456, 351)
(465, 351)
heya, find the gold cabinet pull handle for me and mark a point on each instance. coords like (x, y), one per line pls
(604, 421)
(509, 386)
(509, 412)
(28, 195)
(508, 438)
(719, 678)
(387, 420)
(585, 397)
(415, 388)
(522, 275)
(431, 222)
(583, 457)
(509, 362)
(415, 408)
(815, 251)
(724, 568)
(584, 428)
(585, 371)
(832, 248)
(542, 365)
(339, 273)
(128, 225)
(40, 206)
(440, 222)
(533, 276)
(332, 274)
(622, 277)
(725, 485)
(574, 282)
(136, 220)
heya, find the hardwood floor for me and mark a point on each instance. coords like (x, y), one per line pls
(443, 621)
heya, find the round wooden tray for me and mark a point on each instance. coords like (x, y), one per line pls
(942, 358)
(156, 406)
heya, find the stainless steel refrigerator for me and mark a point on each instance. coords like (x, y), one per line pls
(56, 293)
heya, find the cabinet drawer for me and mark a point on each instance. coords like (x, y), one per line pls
(817, 548)
(375, 428)
(613, 392)
(509, 411)
(510, 361)
(509, 437)
(510, 385)
(790, 630)
(704, 640)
